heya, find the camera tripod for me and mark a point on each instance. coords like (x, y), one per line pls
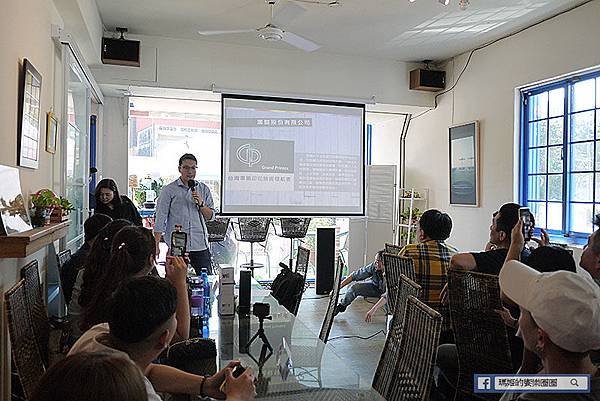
(261, 334)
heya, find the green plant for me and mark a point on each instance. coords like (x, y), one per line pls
(65, 205)
(44, 198)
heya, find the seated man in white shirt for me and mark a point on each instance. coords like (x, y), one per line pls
(142, 323)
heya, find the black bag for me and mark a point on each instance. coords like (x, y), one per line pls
(196, 355)
(287, 289)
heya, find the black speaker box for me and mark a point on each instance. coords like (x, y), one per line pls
(325, 260)
(244, 298)
(121, 52)
(427, 80)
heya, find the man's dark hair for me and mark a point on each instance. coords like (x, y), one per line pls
(435, 224)
(379, 254)
(508, 217)
(94, 224)
(139, 306)
(187, 156)
(546, 259)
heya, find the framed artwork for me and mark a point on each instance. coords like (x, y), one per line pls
(464, 164)
(14, 217)
(51, 132)
(28, 140)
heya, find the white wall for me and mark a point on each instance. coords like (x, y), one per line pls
(25, 33)
(197, 64)
(486, 92)
(115, 142)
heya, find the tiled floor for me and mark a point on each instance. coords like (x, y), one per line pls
(361, 355)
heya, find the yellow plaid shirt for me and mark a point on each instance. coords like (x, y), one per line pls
(432, 260)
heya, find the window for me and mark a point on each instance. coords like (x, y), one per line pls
(560, 157)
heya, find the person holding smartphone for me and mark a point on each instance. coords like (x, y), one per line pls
(188, 203)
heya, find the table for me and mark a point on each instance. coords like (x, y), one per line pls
(318, 372)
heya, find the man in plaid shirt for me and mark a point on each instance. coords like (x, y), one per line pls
(431, 258)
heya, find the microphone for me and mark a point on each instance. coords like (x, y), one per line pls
(192, 185)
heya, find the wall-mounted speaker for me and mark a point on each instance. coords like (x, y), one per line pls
(427, 80)
(121, 52)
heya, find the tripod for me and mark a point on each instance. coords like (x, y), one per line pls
(261, 334)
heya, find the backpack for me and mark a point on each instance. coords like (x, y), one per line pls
(287, 289)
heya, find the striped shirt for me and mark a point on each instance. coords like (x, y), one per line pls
(177, 206)
(432, 260)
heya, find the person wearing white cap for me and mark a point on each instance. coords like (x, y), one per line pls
(560, 322)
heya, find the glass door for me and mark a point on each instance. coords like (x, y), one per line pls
(76, 149)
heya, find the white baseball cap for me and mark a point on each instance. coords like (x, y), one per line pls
(564, 304)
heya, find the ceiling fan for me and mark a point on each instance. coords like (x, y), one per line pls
(274, 33)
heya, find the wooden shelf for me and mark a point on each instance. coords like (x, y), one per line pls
(24, 244)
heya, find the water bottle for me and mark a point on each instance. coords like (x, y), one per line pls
(197, 301)
(206, 283)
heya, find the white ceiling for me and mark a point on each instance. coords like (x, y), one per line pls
(392, 29)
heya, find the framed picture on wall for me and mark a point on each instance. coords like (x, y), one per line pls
(51, 132)
(464, 164)
(28, 139)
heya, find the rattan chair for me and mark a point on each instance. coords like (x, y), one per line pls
(393, 267)
(391, 248)
(62, 258)
(391, 351)
(481, 338)
(413, 373)
(26, 354)
(333, 300)
(252, 230)
(302, 259)
(37, 308)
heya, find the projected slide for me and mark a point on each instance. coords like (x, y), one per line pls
(285, 157)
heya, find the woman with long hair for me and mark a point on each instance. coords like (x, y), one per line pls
(92, 376)
(111, 203)
(132, 255)
(93, 267)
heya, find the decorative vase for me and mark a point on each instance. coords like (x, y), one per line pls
(41, 216)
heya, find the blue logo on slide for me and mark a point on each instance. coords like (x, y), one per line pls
(248, 155)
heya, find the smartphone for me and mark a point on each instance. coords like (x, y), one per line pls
(178, 243)
(237, 371)
(525, 216)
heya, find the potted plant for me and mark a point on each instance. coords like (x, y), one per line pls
(43, 202)
(62, 208)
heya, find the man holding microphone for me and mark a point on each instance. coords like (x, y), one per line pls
(188, 203)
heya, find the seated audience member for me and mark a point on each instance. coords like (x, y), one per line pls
(590, 258)
(110, 202)
(88, 277)
(68, 274)
(92, 376)
(490, 261)
(431, 258)
(374, 287)
(141, 324)
(132, 255)
(559, 322)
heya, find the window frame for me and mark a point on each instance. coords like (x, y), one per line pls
(567, 172)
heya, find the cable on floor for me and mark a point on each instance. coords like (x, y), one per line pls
(359, 337)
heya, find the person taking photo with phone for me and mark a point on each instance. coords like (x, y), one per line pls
(188, 203)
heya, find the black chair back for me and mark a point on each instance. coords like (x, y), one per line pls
(333, 300)
(393, 267)
(37, 307)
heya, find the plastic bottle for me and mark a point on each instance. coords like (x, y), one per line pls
(197, 301)
(206, 284)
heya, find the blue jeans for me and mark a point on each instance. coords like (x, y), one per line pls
(365, 288)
